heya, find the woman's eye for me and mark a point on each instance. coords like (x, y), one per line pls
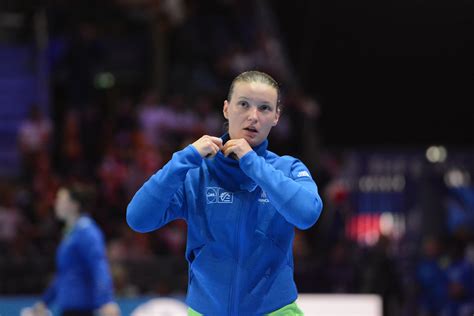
(265, 108)
(243, 104)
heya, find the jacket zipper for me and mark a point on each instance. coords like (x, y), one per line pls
(236, 280)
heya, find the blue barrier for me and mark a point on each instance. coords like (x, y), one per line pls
(13, 305)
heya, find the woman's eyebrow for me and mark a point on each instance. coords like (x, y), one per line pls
(258, 101)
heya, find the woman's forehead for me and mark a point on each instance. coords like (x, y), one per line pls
(256, 91)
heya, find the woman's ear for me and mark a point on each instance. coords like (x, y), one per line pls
(277, 117)
(225, 110)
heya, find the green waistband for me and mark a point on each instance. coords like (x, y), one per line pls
(288, 310)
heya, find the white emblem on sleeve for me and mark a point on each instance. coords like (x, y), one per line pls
(303, 174)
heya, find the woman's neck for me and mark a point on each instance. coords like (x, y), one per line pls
(71, 220)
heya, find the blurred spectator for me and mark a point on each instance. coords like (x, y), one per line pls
(269, 55)
(153, 118)
(129, 246)
(146, 160)
(378, 274)
(460, 275)
(340, 272)
(460, 210)
(11, 220)
(85, 133)
(112, 173)
(34, 137)
(44, 185)
(171, 240)
(307, 264)
(83, 282)
(122, 285)
(304, 112)
(431, 278)
(72, 151)
(210, 121)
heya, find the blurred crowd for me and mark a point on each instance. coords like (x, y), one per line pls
(171, 63)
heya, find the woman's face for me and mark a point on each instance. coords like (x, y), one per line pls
(64, 206)
(252, 111)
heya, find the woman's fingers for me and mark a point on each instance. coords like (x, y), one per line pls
(207, 146)
(227, 150)
(215, 150)
(217, 141)
(238, 147)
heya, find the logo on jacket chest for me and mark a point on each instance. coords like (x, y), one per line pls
(263, 197)
(218, 195)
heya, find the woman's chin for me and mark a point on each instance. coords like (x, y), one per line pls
(251, 138)
(253, 142)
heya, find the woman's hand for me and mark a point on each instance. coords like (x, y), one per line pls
(109, 309)
(238, 147)
(40, 309)
(208, 146)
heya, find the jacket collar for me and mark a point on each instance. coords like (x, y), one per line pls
(261, 149)
(227, 170)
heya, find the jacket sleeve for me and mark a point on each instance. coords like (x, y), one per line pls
(49, 294)
(92, 250)
(296, 198)
(161, 199)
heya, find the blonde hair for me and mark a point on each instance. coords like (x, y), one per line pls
(255, 76)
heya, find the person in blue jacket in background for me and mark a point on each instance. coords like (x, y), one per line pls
(241, 203)
(83, 283)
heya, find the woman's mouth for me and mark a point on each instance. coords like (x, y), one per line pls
(251, 130)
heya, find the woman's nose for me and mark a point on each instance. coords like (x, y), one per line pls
(253, 114)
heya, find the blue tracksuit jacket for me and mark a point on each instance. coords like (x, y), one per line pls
(83, 280)
(241, 217)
